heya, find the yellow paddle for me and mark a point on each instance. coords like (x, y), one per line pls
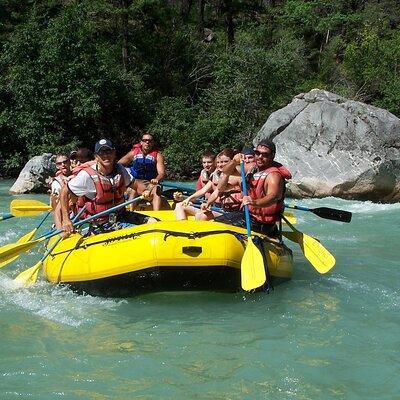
(24, 239)
(318, 256)
(252, 265)
(29, 276)
(28, 208)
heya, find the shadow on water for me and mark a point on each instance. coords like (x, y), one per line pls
(155, 280)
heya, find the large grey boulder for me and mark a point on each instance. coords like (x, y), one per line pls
(35, 176)
(337, 147)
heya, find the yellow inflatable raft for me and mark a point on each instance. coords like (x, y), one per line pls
(162, 245)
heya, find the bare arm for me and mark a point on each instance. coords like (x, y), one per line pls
(160, 169)
(207, 187)
(127, 159)
(213, 196)
(65, 195)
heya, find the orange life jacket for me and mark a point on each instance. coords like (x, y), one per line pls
(81, 201)
(108, 193)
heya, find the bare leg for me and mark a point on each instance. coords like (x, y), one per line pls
(182, 211)
(206, 215)
(155, 191)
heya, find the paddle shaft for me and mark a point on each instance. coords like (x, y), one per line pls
(246, 207)
(325, 212)
(179, 186)
(252, 266)
(6, 216)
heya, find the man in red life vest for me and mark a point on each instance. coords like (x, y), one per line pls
(147, 166)
(266, 188)
(101, 185)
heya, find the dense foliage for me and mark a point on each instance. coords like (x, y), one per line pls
(200, 75)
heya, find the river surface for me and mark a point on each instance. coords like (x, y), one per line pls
(333, 336)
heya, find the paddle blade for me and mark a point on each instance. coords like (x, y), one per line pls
(332, 213)
(252, 267)
(26, 238)
(26, 208)
(9, 251)
(29, 276)
(318, 256)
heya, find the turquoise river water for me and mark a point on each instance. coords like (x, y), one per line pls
(333, 336)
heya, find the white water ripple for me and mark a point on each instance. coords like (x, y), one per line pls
(55, 303)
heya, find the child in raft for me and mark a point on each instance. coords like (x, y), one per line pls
(230, 199)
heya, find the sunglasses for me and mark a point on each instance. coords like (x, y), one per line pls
(104, 151)
(264, 154)
(62, 162)
(147, 140)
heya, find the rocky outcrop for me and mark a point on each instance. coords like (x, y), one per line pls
(337, 147)
(35, 176)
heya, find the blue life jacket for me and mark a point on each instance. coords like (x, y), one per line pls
(144, 166)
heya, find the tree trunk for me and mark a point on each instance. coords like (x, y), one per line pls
(200, 18)
(186, 6)
(125, 34)
(230, 25)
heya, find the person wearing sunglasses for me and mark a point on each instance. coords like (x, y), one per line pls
(147, 165)
(266, 188)
(63, 174)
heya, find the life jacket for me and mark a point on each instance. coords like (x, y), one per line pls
(231, 200)
(81, 201)
(203, 179)
(108, 194)
(144, 166)
(271, 213)
(80, 167)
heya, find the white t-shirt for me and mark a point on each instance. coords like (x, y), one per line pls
(55, 187)
(83, 185)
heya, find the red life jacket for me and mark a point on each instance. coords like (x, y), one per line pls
(81, 201)
(79, 168)
(108, 194)
(231, 199)
(271, 213)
